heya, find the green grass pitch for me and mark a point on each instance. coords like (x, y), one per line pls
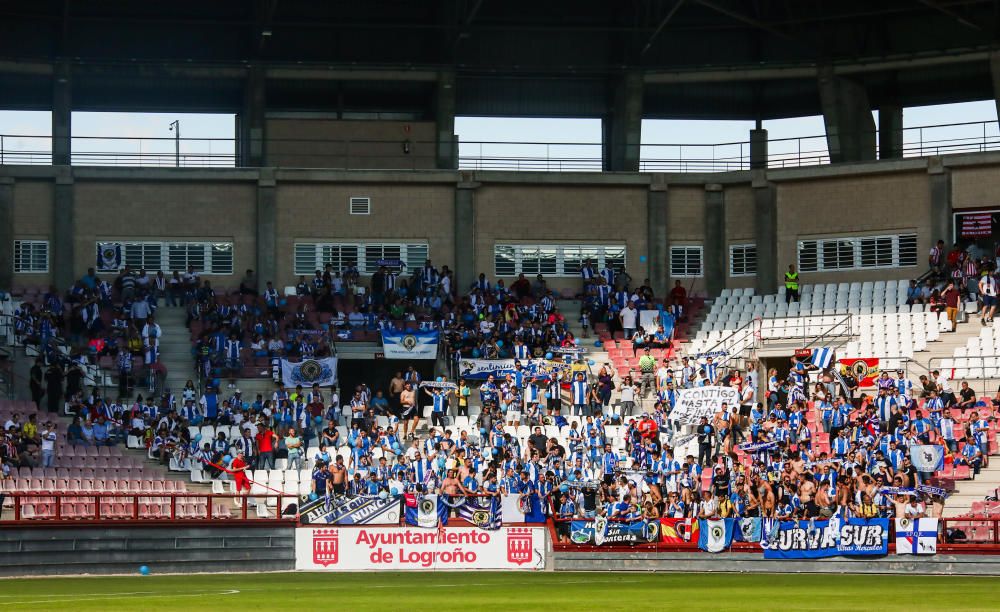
(500, 591)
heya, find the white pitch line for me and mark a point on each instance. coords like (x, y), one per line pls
(145, 594)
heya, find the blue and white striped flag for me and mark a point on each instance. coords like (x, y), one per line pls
(822, 357)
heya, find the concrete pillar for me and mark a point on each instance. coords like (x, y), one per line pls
(446, 145)
(251, 135)
(63, 259)
(466, 271)
(890, 131)
(942, 219)
(622, 129)
(758, 149)
(62, 115)
(850, 129)
(658, 261)
(714, 249)
(267, 228)
(995, 74)
(765, 204)
(6, 232)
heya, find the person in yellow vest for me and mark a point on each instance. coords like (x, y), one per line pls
(791, 285)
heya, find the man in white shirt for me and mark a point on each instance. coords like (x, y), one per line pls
(945, 391)
(988, 289)
(49, 436)
(628, 317)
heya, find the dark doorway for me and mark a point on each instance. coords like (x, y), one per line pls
(376, 373)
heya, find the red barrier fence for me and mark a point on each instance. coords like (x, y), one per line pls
(74, 507)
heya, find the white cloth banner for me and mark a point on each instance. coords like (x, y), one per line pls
(916, 536)
(309, 372)
(692, 404)
(410, 345)
(412, 548)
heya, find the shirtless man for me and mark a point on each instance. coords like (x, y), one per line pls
(338, 476)
(451, 484)
(409, 414)
(395, 389)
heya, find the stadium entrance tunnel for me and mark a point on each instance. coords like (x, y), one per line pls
(353, 372)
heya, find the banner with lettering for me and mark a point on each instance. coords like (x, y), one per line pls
(356, 511)
(603, 532)
(481, 369)
(692, 404)
(413, 548)
(828, 538)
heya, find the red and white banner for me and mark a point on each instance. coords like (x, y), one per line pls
(412, 548)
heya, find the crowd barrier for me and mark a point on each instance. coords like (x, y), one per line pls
(61, 508)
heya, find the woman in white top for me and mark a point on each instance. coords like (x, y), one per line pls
(628, 394)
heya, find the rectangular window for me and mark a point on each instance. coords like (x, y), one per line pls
(309, 256)
(555, 260)
(31, 256)
(685, 261)
(206, 257)
(863, 252)
(742, 260)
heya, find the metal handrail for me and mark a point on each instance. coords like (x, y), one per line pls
(482, 154)
(976, 382)
(848, 319)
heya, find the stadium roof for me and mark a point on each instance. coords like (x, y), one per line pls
(698, 58)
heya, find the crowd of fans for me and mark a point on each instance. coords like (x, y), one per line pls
(802, 444)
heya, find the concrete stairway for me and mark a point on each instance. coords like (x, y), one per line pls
(175, 347)
(968, 491)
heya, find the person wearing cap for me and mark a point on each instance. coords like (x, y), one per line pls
(48, 436)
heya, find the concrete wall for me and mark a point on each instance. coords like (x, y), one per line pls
(32, 219)
(968, 565)
(26, 551)
(332, 143)
(846, 205)
(565, 213)
(203, 211)
(886, 197)
(318, 212)
(975, 187)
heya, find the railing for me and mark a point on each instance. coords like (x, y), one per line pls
(978, 383)
(978, 529)
(918, 141)
(73, 506)
(842, 328)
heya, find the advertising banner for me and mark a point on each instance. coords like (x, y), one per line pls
(413, 548)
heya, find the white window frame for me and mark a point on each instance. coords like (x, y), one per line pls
(163, 248)
(686, 251)
(19, 258)
(564, 260)
(852, 249)
(412, 254)
(749, 263)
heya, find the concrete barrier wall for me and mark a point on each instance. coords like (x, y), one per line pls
(121, 550)
(980, 565)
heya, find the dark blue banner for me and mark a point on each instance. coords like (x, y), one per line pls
(601, 531)
(829, 538)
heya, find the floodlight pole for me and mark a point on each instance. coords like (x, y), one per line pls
(175, 127)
